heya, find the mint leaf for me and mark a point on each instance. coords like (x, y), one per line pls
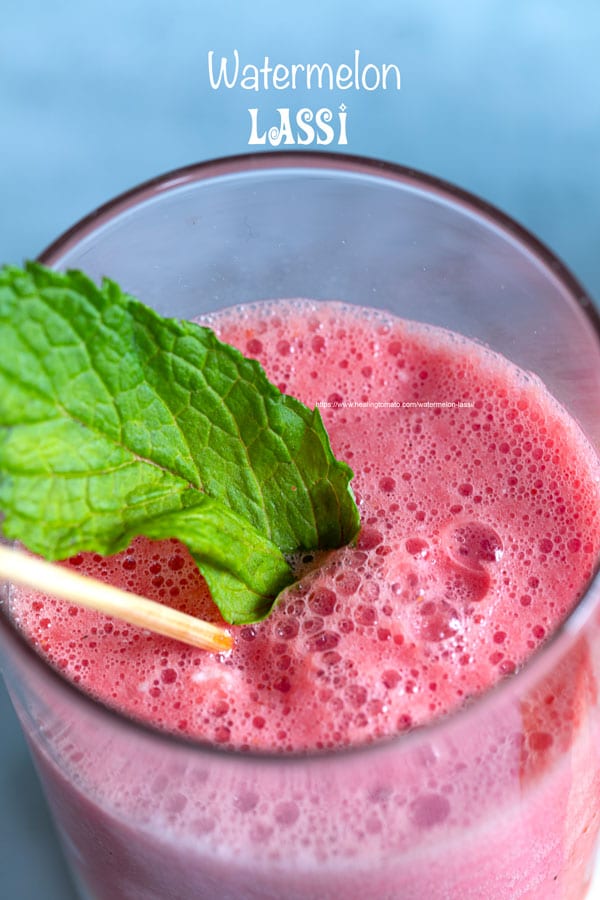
(115, 422)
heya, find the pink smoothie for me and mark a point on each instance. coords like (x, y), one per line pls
(479, 501)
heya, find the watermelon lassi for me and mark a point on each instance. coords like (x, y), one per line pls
(480, 504)
(480, 508)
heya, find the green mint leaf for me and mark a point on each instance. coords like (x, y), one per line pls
(115, 421)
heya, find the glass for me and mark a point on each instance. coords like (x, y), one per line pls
(496, 800)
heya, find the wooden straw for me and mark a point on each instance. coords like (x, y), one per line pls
(32, 572)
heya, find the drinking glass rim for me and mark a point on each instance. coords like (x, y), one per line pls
(409, 177)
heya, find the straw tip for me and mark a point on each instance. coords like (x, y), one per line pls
(224, 640)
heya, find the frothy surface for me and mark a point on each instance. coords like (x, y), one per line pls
(479, 504)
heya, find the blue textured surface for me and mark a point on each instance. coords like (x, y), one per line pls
(499, 96)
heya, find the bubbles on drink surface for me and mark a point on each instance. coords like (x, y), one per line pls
(479, 531)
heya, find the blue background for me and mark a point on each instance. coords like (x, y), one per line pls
(500, 96)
